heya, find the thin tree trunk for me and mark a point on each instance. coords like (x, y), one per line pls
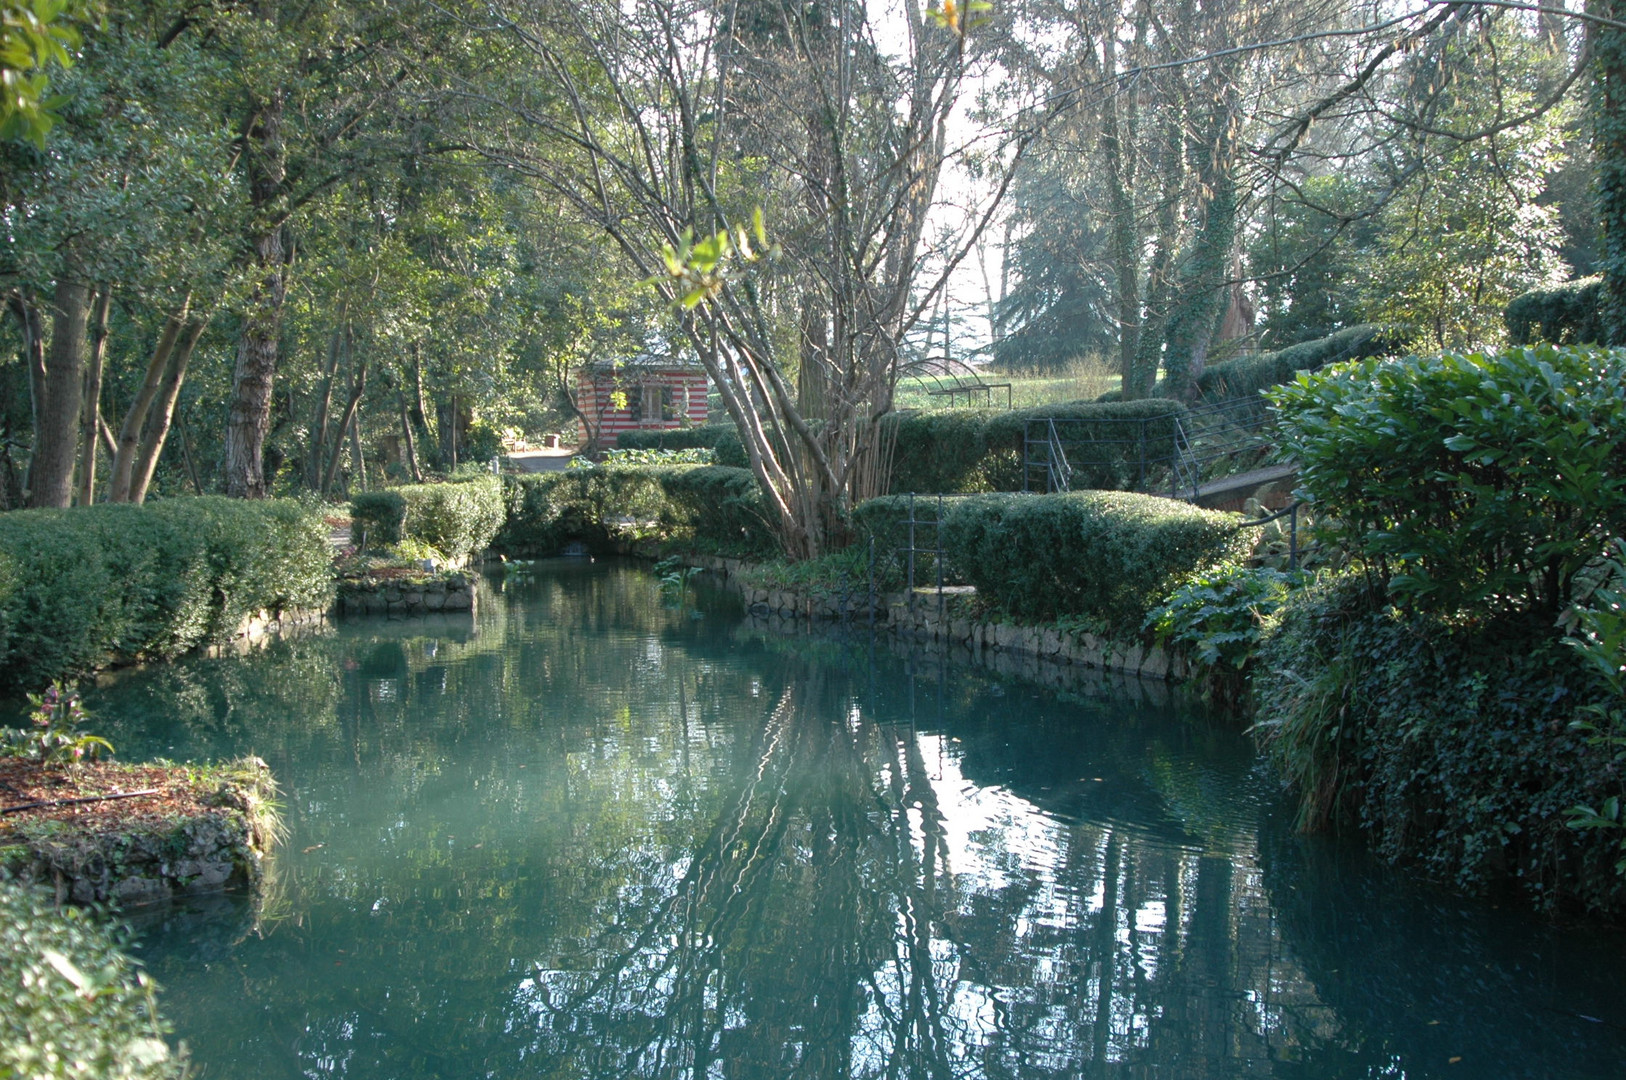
(56, 439)
(410, 442)
(163, 412)
(356, 454)
(91, 405)
(250, 415)
(357, 388)
(30, 326)
(136, 418)
(186, 456)
(324, 402)
(110, 442)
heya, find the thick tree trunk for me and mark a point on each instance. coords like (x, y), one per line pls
(250, 415)
(136, 418)
(90, 422)
(56, 439)
(162, 413)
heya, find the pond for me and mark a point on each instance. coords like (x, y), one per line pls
(597, 833)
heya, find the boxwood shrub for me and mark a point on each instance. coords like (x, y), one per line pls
(703, 437)
(458, 519)
(1246, 376)
(1110, 557)
(83, 587)
(75, 1004)
(707, 508)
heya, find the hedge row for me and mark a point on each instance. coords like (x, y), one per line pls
(980, 450)
(81, 588)
(1108, 556)
(704, 437)
(1570, 314)
(1246, 376)
(457, 519)
(708, 508)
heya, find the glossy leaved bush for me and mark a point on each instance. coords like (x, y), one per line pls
(1482, 481)
(75, 1006)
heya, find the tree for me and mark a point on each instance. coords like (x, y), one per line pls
(669, 124)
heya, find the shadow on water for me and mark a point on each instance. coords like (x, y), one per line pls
(595, 833)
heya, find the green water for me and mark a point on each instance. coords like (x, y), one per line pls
(591, 835)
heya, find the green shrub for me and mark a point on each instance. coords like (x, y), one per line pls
(1570, 314)
(1450, 742)
(459, 519)
(1246, 376)
(980, 450)
(1467, 481)
(74, 1004)
(96, 584)
(886, 521)
(704, 437)
(1106, 556)
(706, 508)
(1216, 619)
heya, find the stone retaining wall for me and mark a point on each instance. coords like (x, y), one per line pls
(448, 592)
(921, 621)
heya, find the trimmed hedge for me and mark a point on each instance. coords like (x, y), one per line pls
(1246, 376)
(709, 508)
(1570, 314)
(457, 519)
(84, 587)
(1108, 556)
(704, 437)
(75, 1004)
(980, 450)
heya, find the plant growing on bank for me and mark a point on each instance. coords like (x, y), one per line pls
(1601, 641)
(53, 736)
(1217, 620)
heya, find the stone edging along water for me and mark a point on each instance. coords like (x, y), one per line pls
(444, 592)
(926, 619)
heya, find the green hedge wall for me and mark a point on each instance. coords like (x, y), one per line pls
(980, 450)
(81, 588)
(704, 437)
(458, 519)
(1570, 314)
(1246, 376)
(1107, 556)
(74, 1006)
(709, 508)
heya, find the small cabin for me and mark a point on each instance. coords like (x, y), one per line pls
(655, 395)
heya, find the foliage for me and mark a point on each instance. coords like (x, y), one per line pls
(34, 36)
(76, 1005)
(1110, 556)
(1568, 314)
(703, 437)
(1217, 619)
(1247, 376)
(1308, 259)
(689, 456)
(99, 583)
(1600, 641)
(979, 450)
(836, 574)
(55, 739)
(707, 508)
(1448, 740)
(1484, 481)
(458, 519)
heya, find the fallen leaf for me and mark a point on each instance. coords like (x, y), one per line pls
(312, 848)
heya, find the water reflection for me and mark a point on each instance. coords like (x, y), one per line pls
(594, 836)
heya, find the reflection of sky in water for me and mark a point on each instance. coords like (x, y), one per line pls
(600, 838)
